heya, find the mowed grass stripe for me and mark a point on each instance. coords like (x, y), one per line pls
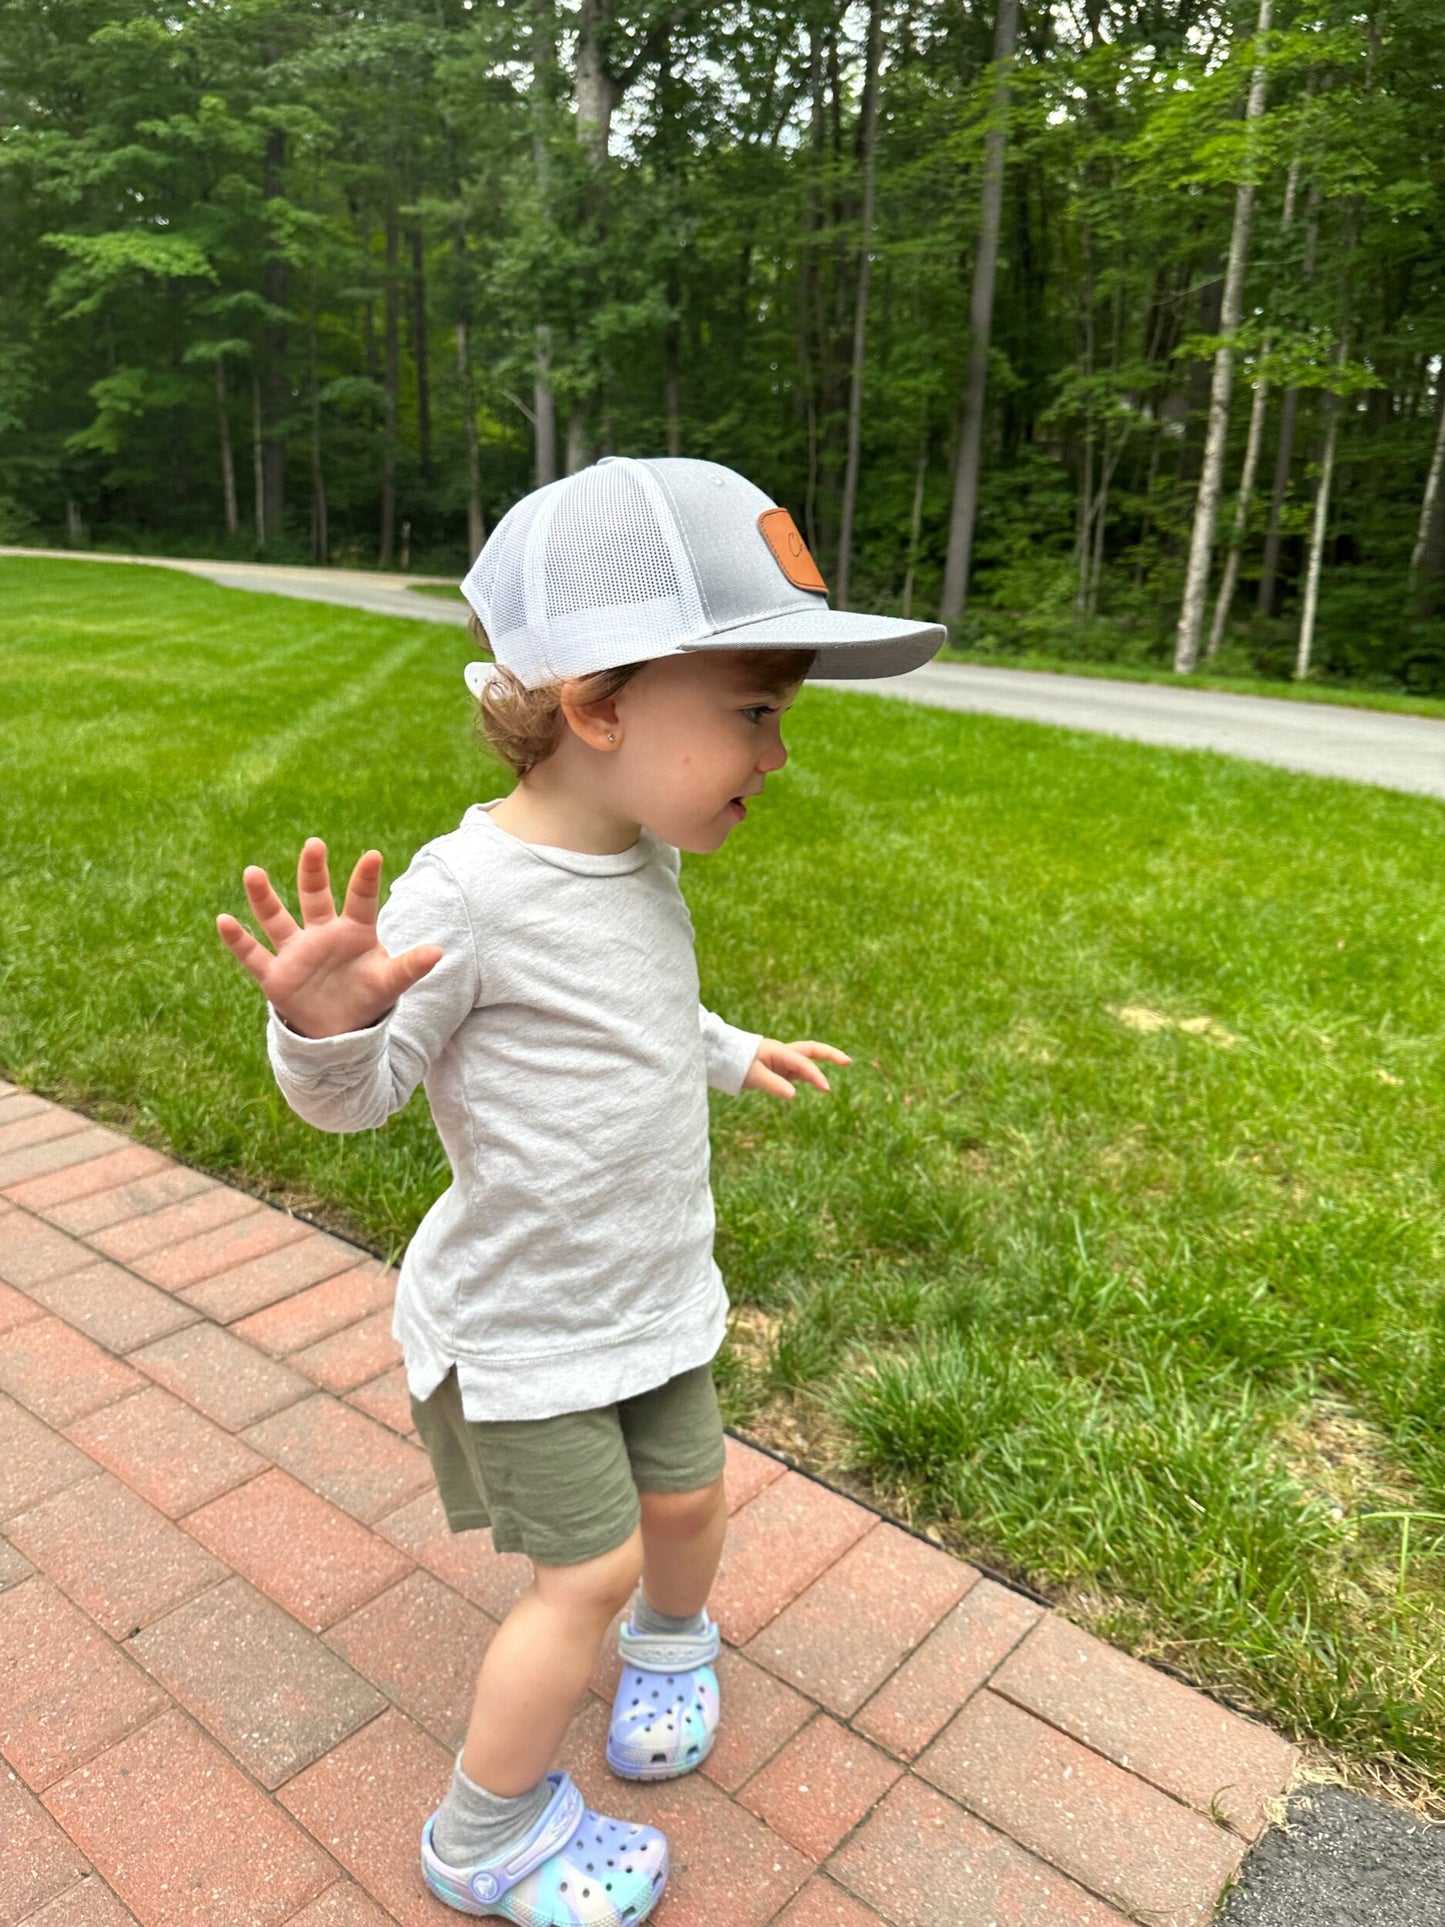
(1118, 1251)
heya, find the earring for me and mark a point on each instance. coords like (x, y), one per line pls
(610, 737)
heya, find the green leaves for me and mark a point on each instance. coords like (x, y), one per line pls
(100, 263)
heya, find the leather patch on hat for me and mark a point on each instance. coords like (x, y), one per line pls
(790, 551)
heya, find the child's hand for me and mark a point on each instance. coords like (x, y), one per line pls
(774, 1064)
(331, 975)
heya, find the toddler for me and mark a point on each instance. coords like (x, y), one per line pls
(559, 1307)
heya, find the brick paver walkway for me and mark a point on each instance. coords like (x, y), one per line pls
(237, 1642)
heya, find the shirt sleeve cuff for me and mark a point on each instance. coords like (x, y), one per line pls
(730, 1053)
(315, 1059)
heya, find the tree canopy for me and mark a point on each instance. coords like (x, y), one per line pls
(319, 280)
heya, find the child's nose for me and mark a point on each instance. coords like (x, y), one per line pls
(773, 758)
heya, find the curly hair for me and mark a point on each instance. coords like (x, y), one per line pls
(522, 727)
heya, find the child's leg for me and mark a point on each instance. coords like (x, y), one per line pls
(537, 1667)
(682, 1540)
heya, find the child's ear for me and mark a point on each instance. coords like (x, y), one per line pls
(595, 723)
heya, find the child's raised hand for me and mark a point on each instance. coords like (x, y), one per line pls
(775, 1065)
(329, 974)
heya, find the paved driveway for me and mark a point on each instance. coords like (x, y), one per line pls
(1321, 739)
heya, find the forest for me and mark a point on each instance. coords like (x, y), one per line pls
(1109, 329)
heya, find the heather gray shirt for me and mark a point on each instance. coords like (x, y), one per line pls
(566, 1059)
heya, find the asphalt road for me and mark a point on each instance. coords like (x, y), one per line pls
(1320, 739)
(1341, 1861)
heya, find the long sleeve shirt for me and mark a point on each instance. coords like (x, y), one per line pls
(566, 1058)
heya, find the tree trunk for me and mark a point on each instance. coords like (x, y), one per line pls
(860, 307)
(915, 520)
(387, 545)
(807, 290)
(278, 389)
(1241, 518)
(672, 380)
(544, 402)
(1201, 543)
(1253, 441)
(1288, 415)
(1431, 496)
(228, 463)
(980, 318)
(258, 463)
(476, 525)
(419, 350)
(1319, 526)
(579, 451)
(320, 532)
(597, 91)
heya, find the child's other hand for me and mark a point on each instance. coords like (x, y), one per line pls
(330, 974)
(775, 1064)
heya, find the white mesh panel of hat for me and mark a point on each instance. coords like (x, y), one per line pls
(606, 570)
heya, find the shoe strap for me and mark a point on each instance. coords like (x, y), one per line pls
(550, 1834)
(667, 1652)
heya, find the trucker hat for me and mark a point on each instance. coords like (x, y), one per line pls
(632, 559)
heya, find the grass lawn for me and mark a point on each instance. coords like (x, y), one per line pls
(1116, 1256)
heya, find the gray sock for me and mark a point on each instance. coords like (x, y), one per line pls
(647, 1619)
(473, 1825)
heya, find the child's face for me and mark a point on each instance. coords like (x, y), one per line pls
(698, 734)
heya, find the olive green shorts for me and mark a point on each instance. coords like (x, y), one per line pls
(565, 1489)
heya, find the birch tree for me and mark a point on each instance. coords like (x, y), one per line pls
(869, 139)
(1206, 508)
(980, 324)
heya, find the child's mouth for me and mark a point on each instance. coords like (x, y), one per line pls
(737, 804)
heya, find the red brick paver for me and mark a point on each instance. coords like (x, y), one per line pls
(366, 1803)
(112, 1306)
(57, 1373)
(31, 1249)
(920, 1699)
(91, 1904)
(821, 1904)
(919, 1853)
(256, 1283)
(269, 1691)
(386, 1398)
(849, 1631)
(310, 1558)
(777, 1545)
(350, 1357)
(313, 1314)
(34, 1461)
(221, 1376)
(820, 1786)
(238, 1642)
(344, 1455)
(1112, 1832)
(56, 1154)
(88, 1212)
(119, 1559)
(66, 1691)
(422, 1644)
(166, 1450)
(184, 1837)
(1145, 1721)
(39, 1861)
(86, 1180)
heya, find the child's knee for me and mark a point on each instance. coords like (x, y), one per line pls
(682, 1515)
(598, 1587)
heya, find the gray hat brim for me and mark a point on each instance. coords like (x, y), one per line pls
(849, 646)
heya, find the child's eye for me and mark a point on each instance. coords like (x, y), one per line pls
(758, 711)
